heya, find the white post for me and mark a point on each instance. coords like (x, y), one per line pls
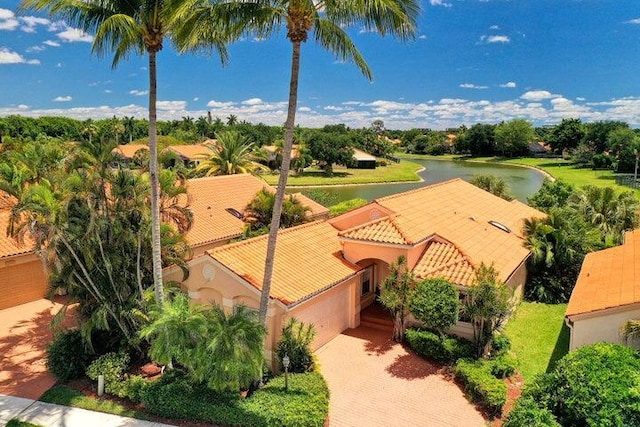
(100, 385)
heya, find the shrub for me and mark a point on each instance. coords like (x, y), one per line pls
(346, 206)
(483, 388)
(445, 349)
(435, 303)
(305, 404)
(67, 356)
(595, 385)
(295, 343)
(503, 366)
(500, 344)
(113, 366)
(527, 413)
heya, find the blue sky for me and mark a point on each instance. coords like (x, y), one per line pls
(472, 61)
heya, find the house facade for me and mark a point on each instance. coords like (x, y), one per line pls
(326, 272)
(606, 295)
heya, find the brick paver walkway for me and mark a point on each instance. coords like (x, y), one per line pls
(376, 382)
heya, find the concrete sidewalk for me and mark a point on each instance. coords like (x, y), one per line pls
(49, 415)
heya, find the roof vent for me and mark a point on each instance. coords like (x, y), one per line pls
(500, 226)
(235, 213)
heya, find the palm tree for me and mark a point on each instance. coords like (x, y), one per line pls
(231, 154)
(123, 27)
(129, 125)
(326, 20)
(260, 210)
(232, 120)
(396, 290)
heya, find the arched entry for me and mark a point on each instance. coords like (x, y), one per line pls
(375, 271)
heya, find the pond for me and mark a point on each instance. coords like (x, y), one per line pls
(522, 182)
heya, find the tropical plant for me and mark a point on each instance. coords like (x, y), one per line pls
(435, 303)
(493, 184)
(295, 344)
(260, 209)
(231, 154)
(487, 305)
(552, 194)
(395, 295)
(135, 26)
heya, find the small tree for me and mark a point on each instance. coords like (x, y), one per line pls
(493, 184)
(396, 290)
(435, 303)
(487, 305)
(295, 343)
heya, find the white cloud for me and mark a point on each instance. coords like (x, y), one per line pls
(29, 23)
(497, 39)
(221, 105)
(494, 27)
(172, 105)
(10, 57)
(634, 21)
(422, 37)
(253, 101)
(63, 99)
(581, 99)
(196, 99)
(439, 3)
(51, 43)
(472, 86)
(8, 21)
(59, 65)
(137, 92)
(108, 91)
(509, 84)
(35, 49)
(71, 35)
(538, 95)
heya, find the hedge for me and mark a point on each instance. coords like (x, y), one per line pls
(527, 413)
(305, 404)
(481, 385)
(446, 349)
(67, 357)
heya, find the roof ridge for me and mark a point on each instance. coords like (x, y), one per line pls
(417, 190)
(392, 219)
(263, 237)
(446, 241)
(366, 224)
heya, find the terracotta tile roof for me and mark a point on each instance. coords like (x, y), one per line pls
(608, 278)
(317, 210)
(382, 230)
(363, 155)
(190, 152)
(211, 196)
(443, 259)
(8, 246)
(129, 150)
(308, 260)
(460, 213)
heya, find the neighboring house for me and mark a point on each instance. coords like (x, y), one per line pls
(539, 149)
(218, 204)
(22, 273)
(127, 152)
(326, 272)
(606, 295)
(191, 155)
(363, 160)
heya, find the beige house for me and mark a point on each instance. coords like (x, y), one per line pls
(606, 295)
(326, 272)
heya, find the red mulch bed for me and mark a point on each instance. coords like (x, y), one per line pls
(514, 390)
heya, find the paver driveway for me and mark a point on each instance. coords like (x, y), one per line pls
(377, 382)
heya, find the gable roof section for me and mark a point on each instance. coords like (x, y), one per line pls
(308, 260)
(608, 278)
(444, 259)
(8, 245)
(382, 230)
(211, 196)
(129, 150)
(190, 152)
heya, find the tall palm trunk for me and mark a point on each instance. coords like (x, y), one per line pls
(155, 184)
(282, 182)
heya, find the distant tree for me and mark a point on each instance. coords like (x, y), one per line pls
(378, 126)
(487, 304)
(479, 140)
(432, 143)
(597, 133)
(566, 135)
(552, 194)
(493, 184)
(435, 303)
(232, 154)
(396, 291)
(232, 120)
(330, 148)
(623, 142)
(129, 126)
(260, 210)
(513, 137)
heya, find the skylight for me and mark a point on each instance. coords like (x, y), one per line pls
(235, 213)
(500, 226)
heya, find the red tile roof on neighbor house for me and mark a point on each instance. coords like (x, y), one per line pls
(308, 260)
(8, 245)
(210, 198)
(191, 152)
(609, 278)
(129, 150)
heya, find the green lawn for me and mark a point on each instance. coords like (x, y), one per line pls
(539, 337)
(393, 172)
(63, 395)
(18, 423)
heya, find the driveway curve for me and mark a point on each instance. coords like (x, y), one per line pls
(376, 382)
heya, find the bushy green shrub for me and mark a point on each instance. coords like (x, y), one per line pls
(444, 349)
(503, 366)
(435, 303)
(296, 344)
(596, 385)
(345, 206)
(133, 387)
(305, 404)
(113, 366)
(500, 344)
(527, 413)
(67, 356)
(483, 388)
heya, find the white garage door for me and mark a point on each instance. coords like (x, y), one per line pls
(328, 312)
